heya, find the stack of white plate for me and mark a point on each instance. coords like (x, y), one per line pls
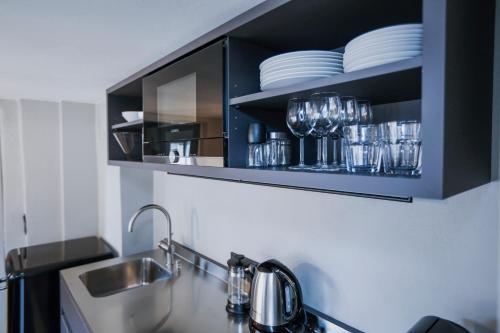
(382, 46)
(295, 67)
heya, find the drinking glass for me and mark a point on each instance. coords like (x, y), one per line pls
(349, 110)
(326, 116)
(257, 155)
(401, 147)
(365, 112)
(300, 122)
(349, 115)
(362, 148)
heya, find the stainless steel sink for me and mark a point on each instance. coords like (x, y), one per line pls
(121, 277)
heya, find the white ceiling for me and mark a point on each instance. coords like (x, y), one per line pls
(75, 49)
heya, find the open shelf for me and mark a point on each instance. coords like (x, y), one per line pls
(135, 125)
(397, 81)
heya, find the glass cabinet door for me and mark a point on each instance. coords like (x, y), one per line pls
(183, 110)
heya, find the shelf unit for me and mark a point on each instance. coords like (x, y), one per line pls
(135, 125)
(439, 89)
(372, 81)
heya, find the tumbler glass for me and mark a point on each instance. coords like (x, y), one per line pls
(363, 151)
(401, 147)
(349, 115)
(257, 155)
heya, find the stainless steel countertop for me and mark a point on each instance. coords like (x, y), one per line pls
(192, 301)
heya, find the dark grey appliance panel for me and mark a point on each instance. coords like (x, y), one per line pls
(184, 110)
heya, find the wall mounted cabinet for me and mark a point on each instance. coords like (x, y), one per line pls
(448, 89)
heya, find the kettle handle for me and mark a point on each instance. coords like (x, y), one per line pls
(295, 297)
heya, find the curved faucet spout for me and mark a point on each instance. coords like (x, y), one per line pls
(167, 217)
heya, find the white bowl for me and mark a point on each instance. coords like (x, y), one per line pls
(132, 115)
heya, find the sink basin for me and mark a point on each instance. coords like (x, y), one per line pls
(121, 277)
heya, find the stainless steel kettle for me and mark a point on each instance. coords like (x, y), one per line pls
(276, 297)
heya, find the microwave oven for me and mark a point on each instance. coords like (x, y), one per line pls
(184, 110)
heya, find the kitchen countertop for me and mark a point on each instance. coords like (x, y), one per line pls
(193, 300)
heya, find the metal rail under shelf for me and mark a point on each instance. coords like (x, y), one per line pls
(347, 184)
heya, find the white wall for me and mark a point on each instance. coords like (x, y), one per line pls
(50, 168)
(79, 167)
(41, 147)
(376, 265)
(109, 187)
(3, 298)
(13, 172)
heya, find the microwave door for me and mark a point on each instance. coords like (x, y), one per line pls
(184, 102)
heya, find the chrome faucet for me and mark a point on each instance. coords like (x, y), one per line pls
(165, 244)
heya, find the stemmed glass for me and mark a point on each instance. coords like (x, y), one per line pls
(365, 112)
(301, 123)
(326, 118)
(319, 154)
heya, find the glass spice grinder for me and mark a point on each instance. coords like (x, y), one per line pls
(238, 284)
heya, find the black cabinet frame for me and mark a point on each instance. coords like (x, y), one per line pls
(452, 80)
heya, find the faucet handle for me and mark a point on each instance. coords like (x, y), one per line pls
(163, 244)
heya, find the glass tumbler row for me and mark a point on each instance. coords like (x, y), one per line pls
(395, 145)
(402, 153)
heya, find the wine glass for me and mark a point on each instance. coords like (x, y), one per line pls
(349, 111)
(326, 115)
(319, 154)
(365, 112)
(299, 121)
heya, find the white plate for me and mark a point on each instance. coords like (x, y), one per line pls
(338, 65)
(374, 63)
(386, 43)
(386, 34)
(380, 56)
(400, 38)
(305, 68)
(299, 74)
(312, 53)
(301, 64)
(263, 83)
(395, 29)
(390, 28)
(285, 82)
(301, 59)
(380, 50)
(300, 54)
